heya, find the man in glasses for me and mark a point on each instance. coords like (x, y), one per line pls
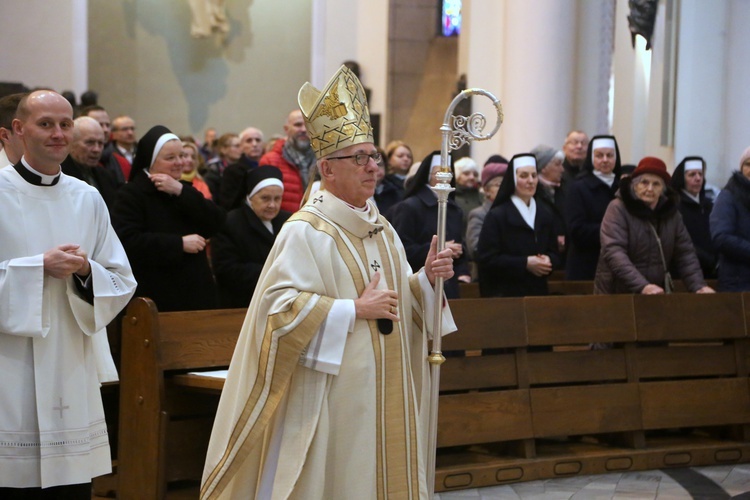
(328, 390)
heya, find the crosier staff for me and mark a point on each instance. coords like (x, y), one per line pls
(456, 131)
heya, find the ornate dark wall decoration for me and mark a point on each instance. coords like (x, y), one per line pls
(641, 19)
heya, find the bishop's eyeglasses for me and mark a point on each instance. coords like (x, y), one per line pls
(361, 158)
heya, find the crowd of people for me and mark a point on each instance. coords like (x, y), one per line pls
(196, 227)
(190, 217)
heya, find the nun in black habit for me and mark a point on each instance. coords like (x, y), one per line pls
(164, 225)
(689, 180)
(586, 201)
(517, 247)
(240, 249)
(415, 221)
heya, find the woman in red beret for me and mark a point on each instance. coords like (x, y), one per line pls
(642, 237)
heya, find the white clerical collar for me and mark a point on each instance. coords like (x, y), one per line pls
(363, 210)
(695, 198)
(607, 179)
(363, 213)
(268, 225)
(528, 212)
(44, 179)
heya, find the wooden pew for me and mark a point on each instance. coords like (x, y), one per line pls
(572, 287)
(164, 428)
(526, 400)
(563, 287)
(671, 389)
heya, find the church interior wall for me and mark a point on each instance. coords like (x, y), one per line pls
(146, 64)
(334, 40)
(703, 34)
(736, 106)
(143, 62)
(44, 46)
(412, 30)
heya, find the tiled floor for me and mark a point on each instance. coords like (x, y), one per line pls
(702, 483)
(705, 483)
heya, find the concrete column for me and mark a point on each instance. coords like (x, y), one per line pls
(593, 67)
(524, 52)
(46, 45)
(702, 109)
(538, 72)
(736, 106)
(642, 89)
(344, 30)
(480, 58)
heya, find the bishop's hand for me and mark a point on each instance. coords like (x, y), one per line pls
(438, 265)
(377, 304)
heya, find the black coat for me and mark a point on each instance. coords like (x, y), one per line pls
(102, 179)
(151, 225)
(233, 186)
(586, 202)
(570, 174)
(389, 193)
(415, 221)
(238, 253)
(554, 204)
(504, 245)
(696, 216)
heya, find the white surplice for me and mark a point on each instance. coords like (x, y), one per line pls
(319, 404)
(53, 346)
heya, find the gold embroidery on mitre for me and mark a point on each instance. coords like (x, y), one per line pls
(332, 107)
(338, 116)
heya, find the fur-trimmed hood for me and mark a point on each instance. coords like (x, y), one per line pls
(666, 207)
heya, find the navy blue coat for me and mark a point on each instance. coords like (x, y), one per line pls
(730, 231)
(585, 204)
(504, 245)
(415, 221)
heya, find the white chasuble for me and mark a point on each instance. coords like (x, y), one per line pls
(53, 345)
(355, 427)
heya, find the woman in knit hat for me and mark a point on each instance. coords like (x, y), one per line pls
(517, 246)
(467, 193)
(492, 175)
(240, 249)
(415, 221)
(586, 201)
(164, 225)
(642, 237)
(689, 180)
(730, 229)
